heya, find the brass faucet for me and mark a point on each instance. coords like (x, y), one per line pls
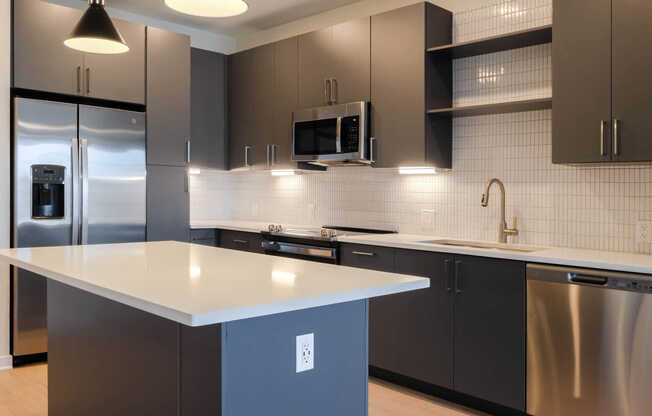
(503, 231)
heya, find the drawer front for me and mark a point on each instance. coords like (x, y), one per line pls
(238, 240)
(367, 257)
(203, 234)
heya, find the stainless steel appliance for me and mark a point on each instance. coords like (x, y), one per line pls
(333, 135)
(78, 178)
(589, 346)
(315, 244)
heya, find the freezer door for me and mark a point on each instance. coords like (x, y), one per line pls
(112, 155)
(44, 134)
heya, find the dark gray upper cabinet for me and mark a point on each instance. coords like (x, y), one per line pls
(404, 134)
(601, 83)
(489, 330)
(239, 110)
(263, 94)
(118, 77)
(581, 60)
(286, 91)
(168, 97)
(167, 203)
(208, 110)
(251, 111)
(340, 52)
(43, 63)
(632, 85)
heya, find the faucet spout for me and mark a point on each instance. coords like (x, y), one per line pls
(503, 231)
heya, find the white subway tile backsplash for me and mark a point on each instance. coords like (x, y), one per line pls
(595, 207)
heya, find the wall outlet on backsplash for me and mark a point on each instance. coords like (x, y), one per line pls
(427, 220)
(644, 232)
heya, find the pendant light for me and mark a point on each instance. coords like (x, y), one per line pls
(209, 8)
(95, 32)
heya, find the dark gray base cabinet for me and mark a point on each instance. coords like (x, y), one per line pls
(465, 333)
(240, 240)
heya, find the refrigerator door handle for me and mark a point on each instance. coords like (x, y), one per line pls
(84, 191)
(75, 191)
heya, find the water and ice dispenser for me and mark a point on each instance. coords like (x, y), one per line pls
(48, 191)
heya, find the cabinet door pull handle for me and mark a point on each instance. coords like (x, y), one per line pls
(241, 241)
(372, 157)
(458, 277)
(363, 253)
(246, 156)
(274, 154)
(327, 91)
(188, 151)
(616, 137)
(268, 150)
(79, 79)
(88, 80)
(447, 273)
(334, 92)
(603, 148)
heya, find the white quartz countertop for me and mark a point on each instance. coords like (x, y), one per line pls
(197, 285)
(595, 259)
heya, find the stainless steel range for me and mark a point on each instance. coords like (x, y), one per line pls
(316, 244)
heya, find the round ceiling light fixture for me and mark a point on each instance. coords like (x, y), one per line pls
(209, 8)
(95, 32)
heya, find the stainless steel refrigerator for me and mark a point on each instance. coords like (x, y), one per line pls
(78, 178)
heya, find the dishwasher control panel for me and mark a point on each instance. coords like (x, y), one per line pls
(631, 285)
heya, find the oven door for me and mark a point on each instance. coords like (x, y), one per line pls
(335, 133)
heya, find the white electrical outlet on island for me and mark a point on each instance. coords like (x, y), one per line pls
(305, 352)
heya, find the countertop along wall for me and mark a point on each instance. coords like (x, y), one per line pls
(563, 206)
(5, 81)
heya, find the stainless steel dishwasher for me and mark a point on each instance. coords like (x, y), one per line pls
(589, 346)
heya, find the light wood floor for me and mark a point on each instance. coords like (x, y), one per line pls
(23, 392)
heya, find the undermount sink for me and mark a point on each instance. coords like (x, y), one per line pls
(487, 245)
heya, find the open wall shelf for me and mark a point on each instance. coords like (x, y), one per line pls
(513, 40)
(498, 108)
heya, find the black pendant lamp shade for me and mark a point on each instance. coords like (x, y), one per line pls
(95, 32)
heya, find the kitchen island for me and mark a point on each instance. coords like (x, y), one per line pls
(172, 328)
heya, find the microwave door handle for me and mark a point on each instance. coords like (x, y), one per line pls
(338, 136)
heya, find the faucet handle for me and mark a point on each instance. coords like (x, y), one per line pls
(514, 229)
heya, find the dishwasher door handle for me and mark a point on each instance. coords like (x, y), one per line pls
(587, 280)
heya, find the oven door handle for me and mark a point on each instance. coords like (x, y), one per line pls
(299, 249)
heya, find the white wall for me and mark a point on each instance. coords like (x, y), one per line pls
(5, 62)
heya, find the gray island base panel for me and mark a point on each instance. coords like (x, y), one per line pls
(107, 358)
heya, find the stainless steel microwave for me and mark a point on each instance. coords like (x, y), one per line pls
(333, 135)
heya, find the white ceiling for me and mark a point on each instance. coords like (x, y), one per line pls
(264, 19)
(262, 14)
